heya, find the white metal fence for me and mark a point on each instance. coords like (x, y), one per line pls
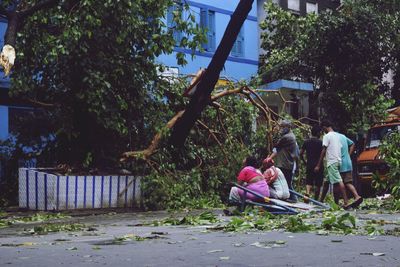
(39, 190)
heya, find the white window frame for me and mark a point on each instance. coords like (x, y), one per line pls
(311, 8)
(294, 5)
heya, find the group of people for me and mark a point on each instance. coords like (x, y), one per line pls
(275, 179)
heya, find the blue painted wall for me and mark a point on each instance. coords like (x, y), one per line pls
(3, 122)
(236, 68)
(4, 85)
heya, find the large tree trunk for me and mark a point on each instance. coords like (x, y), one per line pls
(201, 97)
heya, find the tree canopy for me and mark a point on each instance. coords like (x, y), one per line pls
(345, 53)
(89, 68)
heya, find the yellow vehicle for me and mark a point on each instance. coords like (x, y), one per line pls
(369, 162)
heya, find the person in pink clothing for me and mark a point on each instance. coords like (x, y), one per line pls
(278, 187)
(251, 178)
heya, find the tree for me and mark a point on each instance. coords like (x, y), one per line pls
(344, 52)
(90, 71)
(201, 97)
(17, 13)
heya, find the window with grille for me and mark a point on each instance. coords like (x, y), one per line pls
(238, 46)
(207, 22)
(174, 11)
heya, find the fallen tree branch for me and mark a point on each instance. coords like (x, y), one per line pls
(215, 138)
(146, 153)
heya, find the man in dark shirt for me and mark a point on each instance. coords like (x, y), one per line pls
(286, 154)
(313, 147)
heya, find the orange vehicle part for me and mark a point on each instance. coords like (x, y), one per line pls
(369, 162)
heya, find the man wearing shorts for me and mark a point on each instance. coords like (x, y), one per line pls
(346, 168)
(331, 148)
(313, 148)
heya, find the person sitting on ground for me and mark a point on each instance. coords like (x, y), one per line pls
(251, 178)
(278, 187)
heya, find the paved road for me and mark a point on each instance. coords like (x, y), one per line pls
(189, 246)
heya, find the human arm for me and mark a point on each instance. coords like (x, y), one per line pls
(351, 146)
(302, 156)
(274, 152)
(321, 158)
(297, 160)
(351, 149)
(242, 177)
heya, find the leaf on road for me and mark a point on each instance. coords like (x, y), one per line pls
(61, 240)
(322, 232)
(215, 251)
(159, 233)
(269, 244)
(72, 248)
(376, 254)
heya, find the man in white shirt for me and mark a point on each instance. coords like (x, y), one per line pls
(331, 148)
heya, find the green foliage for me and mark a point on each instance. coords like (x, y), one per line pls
(390, 153)
(37, 217)
(251, 219)
(90, 68)
(339, 223)
(203, 218)
(198, 175)
(295, 224)
(52, 228)
(376, 205)
(344, 53)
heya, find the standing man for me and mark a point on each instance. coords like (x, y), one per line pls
(313, 148)
(346, 168)
(285, 153)
(331, 147)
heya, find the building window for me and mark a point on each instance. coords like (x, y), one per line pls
(238, 46)
(174, 11)
(207, 22)
(312, 8)
(294, 5)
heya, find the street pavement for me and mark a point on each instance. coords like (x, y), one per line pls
(124, 239)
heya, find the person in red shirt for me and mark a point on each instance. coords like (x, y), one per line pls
(251, 178)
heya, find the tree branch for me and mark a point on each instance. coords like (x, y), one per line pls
(4, 12)
(42, 104)
(39, 6)
(145, 154)
(215, 138)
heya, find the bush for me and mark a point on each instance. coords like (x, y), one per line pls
(390, 152)
(199, 175)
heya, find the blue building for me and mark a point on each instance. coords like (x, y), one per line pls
(4, 86)
(215, 15)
